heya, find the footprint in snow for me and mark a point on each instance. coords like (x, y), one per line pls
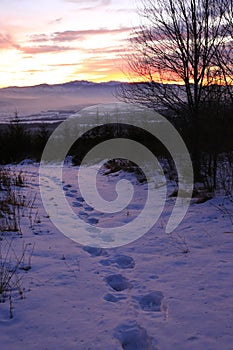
(118, 282)
(71, 195)
(80, 199)
(95, 251)
(112, 298)
(77, 204)
(120, 261)
(66, 187)
(134, 337)
(82, 214)
(87, 208)
(92, 221)
(151, 302)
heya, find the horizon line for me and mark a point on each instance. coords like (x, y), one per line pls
(82, 80)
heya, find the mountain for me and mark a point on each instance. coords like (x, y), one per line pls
(70, 84)
(46, 101)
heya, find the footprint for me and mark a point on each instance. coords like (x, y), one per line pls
(79, 199)
(95, 251)
(112, 298)
(68, 194)
(120, 261)
(118, 282)
(77, 204)
(92, 221)
(82, 214)
(88, 208)
(133, 337)
(106, 237)
(151, 302)
(94, 230)
(124, 261)
(66, 187)
(153, 277)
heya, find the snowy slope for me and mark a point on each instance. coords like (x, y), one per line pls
(149, 294)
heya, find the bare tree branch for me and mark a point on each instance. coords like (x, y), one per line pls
(181, 51)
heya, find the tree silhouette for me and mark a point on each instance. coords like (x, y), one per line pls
(181, 42)
(17, 140)
(181, 59)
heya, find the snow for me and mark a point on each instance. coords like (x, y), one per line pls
(152, 293)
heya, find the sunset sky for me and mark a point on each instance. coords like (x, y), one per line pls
(53, 41)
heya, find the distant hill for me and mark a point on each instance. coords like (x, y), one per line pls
(49, 102)
(71, 84)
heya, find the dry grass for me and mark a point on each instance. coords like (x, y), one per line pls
(14, 204)
(11, 264)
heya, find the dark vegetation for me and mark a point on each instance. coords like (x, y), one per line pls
(19, 141)
(212, 140)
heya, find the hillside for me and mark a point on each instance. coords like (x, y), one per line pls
(53, 102)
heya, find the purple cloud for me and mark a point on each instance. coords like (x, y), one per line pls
(72, 35)
(7, 42)
(44, 49)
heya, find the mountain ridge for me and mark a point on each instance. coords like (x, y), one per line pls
(72, 83)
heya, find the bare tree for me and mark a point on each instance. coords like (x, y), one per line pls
(181, 57)
(224, 57)
(180, 42)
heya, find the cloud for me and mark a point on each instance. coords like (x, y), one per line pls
(44, 49)
(125, 10)
(33, 71)
(110, 50)
(67, 40)
(64, 65)
(39, 38)
(55, 21)
(83, 34)
(7, 42)
(99, 64)
(95, 3)
(73, 35)
(68, 35)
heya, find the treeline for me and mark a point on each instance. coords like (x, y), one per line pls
(19, 141)
(209, 139)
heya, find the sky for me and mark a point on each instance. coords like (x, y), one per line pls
(54, 41)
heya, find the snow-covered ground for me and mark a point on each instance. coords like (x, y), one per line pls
(167, 292)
